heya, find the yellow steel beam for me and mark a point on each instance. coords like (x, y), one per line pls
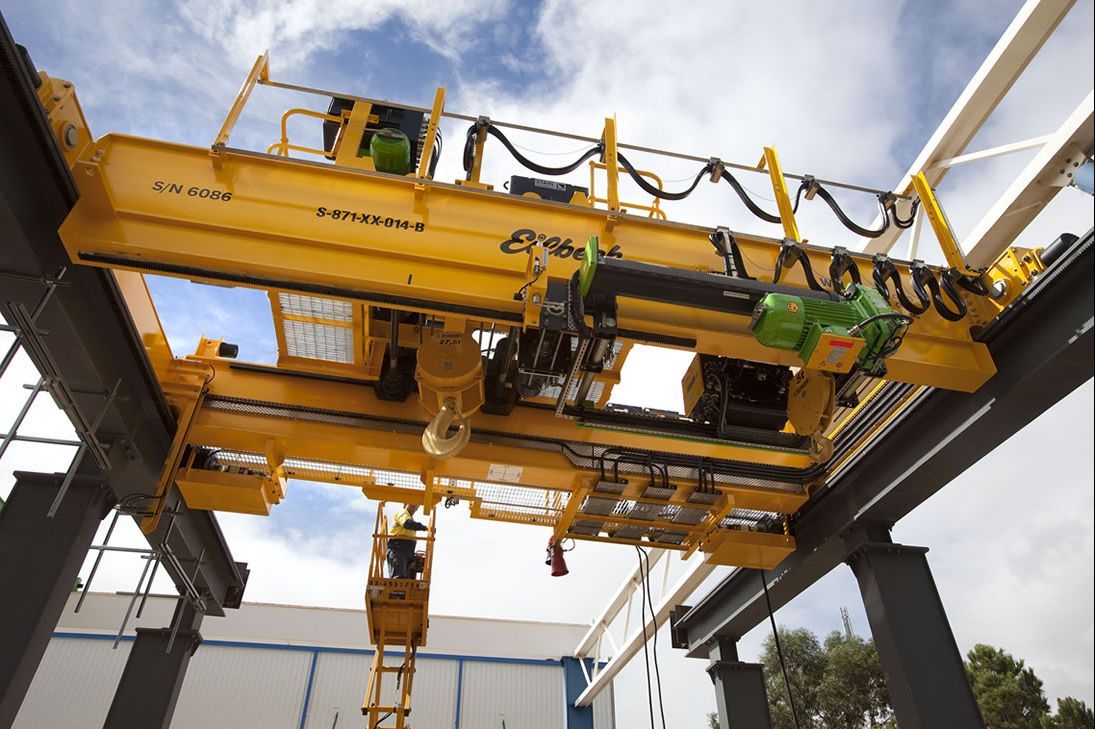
(578, 492)
(431, 134)
(183, 429)
(477, 155)
(259, 72)
(610, 159)
(276, 223)
(783, 198)
(268, 385)
(352, 136)
(952, 251)
(142, 312)
(395, 451)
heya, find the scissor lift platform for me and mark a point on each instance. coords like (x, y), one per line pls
(397, 611)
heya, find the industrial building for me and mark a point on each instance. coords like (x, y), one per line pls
(292, 667)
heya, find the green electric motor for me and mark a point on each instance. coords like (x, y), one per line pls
(831, 335)
(391, 151)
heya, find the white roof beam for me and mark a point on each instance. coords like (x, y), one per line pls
(1045, 175)
(1032, 26)
(695, 575)
(965, 159)
(617, 603)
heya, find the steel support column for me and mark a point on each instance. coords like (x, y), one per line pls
(740, 694)
(574, 683)
(40, 558)
(920, 659)
(154, 672)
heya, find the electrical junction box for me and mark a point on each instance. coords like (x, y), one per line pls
(830, 351)
(730, 392)
(547, 190)
(753, 550)
(240, 492)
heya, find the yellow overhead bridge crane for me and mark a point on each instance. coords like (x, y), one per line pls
(451, 341)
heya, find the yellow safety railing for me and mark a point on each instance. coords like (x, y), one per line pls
(260, 73)
(654, 210)
(283, 147)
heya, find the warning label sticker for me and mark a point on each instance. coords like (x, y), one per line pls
(506, 474)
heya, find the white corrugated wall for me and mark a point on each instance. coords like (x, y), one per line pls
(232, 686)
(74, 685)
(246, 687)
(339, 687)
(337, 690)
(604, 710)
(524, 696)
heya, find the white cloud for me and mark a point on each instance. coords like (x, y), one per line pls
(719, 79)
(299, 29)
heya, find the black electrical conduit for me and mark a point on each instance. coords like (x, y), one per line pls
(809, 184)
(469, 152)
(927, 290)
(791, 253)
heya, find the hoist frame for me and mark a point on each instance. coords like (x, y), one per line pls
(459, 253)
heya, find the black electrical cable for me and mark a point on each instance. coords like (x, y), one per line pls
(889, 213)
(905, 223)
(790, 253)
(646, 655)
(842, 264)
(886, 272)
(753, 207)
(798, 195)
(848, 222)
(650, 603)
(858, 328)
(922, 277)
(656, 192)
(468, 158)
(779, 650)
(519, 296)
(438, 145)
(469, 153)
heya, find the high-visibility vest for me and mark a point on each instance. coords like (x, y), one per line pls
(397, 529)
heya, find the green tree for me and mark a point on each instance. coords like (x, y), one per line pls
(712, 720)
(852, 693)
(805, 662)
(1009, 694)
(1072, 714)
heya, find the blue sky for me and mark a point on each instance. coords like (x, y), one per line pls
(848, 90)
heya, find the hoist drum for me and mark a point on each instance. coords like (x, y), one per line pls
(450, 367)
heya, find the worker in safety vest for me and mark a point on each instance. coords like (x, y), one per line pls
(401, 543)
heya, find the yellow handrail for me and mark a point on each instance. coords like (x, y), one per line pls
(653, 210)
(260, 72)
(283, 146)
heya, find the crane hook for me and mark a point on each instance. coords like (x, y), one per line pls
(435, 438)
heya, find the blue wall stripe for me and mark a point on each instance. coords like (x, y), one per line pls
(574, 682)
(331, 649)
(459, 690)
(308, 689)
